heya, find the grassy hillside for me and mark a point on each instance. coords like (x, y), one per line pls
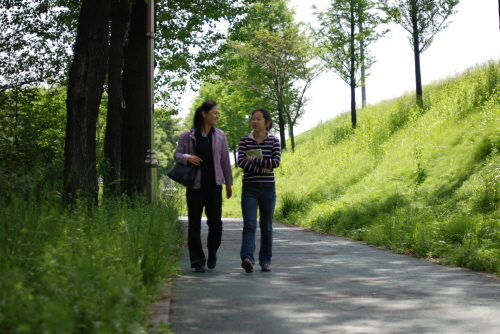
(421, 181)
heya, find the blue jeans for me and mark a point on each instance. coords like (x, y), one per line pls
(259, 195)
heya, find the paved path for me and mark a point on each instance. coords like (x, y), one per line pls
(324, 284)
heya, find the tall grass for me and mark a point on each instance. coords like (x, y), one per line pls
(81, 271)
(417, 180)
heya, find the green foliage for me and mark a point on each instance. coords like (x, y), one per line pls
(167, 132)
(423, 20)
(338, 44)
(271, 54)
(35, 45)
(32, 126)
(423, 181)
(83, 272)
(190, 42)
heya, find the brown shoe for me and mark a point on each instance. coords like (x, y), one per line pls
(247, 265)
(266, 267)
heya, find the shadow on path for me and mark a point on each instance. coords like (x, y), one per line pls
(324, 284)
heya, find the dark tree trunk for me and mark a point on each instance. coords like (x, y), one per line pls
(281, 124)
(135, 80)
(352, 73)
(353, 105)
(290, 132)
(85, 88)
(416, 52)
(120, 16)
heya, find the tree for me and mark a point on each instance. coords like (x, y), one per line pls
(32, 130)
(347, 28)
(85, 88)
(119, 17)
(134, 133)
(423, 19)
(34, 49)
(278, 58)
(33, 41)
(286, 56)
(187, 44)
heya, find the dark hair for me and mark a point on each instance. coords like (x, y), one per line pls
(267, 117)
(198, 117)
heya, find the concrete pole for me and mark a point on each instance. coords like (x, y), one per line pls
(151, 161)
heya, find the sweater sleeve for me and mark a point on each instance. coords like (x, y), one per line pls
(184, 149)
(247, 166)
(226, 163)
(274, 161)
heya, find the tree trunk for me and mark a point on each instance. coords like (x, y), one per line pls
(290, 131)
(363, 68)
(135, 90)
(416, 52)
(281, 124)
(85, 88)
(353, 72)
(120, 16)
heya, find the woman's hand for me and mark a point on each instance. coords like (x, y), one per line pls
(229, 191)
(249, 158)
(195, 160)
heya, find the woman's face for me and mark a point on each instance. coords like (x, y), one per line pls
(212, 116)
(259, 123)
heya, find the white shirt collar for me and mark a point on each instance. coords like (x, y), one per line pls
(250, 135)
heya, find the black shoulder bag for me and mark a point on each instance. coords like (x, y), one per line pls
(184, 174)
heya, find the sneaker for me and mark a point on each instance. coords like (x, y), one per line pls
(199, 269)
(212, 261)
(266, 267)
(247, 265)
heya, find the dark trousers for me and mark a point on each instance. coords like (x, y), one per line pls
(209, 198)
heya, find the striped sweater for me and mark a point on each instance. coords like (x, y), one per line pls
(254, 171)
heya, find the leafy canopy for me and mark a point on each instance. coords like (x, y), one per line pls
(35, 41)
(422, 18)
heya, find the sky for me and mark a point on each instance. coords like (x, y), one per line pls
(472, 37)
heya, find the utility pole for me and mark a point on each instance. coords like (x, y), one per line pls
(151, 161)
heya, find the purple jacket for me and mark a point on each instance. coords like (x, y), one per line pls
(222, 165)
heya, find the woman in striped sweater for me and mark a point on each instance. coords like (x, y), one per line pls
(259, 154)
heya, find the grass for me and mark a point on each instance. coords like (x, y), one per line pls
(423, 181)
(81, 271)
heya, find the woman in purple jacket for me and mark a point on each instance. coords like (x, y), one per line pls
(205, 146)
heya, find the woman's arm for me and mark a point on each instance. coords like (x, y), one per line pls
(245, 164)
(272, 162)
(184, 152)
(226, 164)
